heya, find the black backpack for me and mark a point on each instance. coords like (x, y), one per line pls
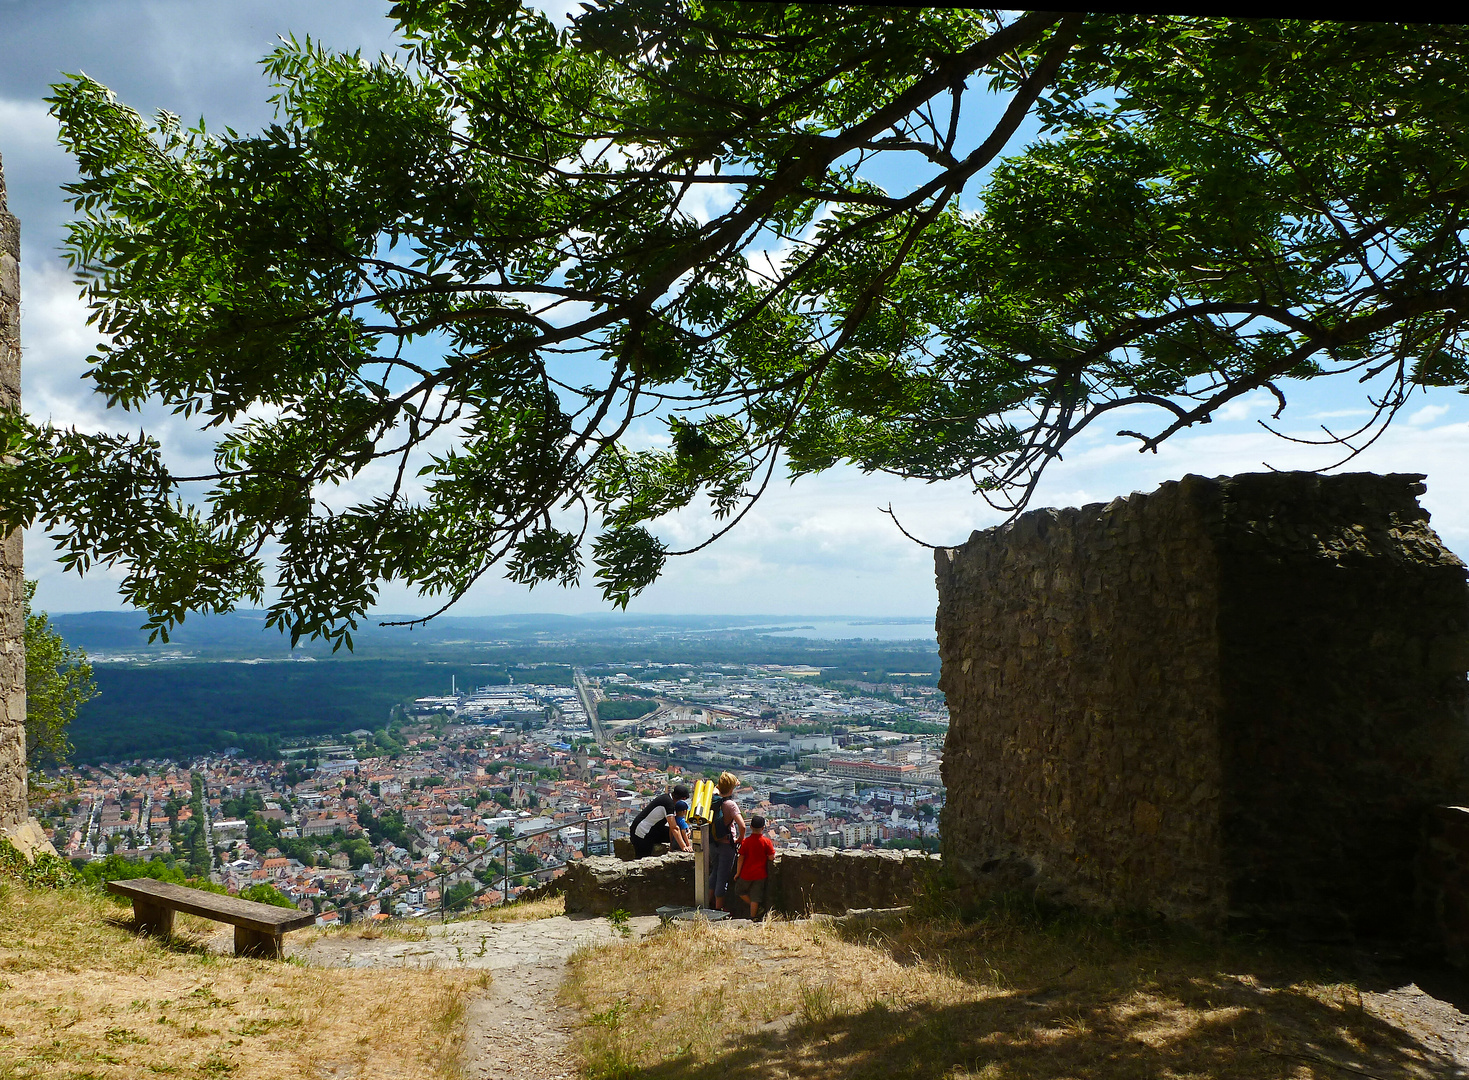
(723, 830)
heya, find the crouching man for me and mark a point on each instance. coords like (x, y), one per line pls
(650, 827)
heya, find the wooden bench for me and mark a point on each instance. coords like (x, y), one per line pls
(258, 927)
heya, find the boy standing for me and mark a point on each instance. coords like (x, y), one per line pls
(752, 870)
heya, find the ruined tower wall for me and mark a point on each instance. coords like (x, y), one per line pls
(12, 584)
(1080, 664)
(1344, 623)
(1228, 697)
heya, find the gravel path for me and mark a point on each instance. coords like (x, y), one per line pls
(515, 1030)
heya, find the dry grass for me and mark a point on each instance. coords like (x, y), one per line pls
(83, 996)
(1009, 997)
(545, 908)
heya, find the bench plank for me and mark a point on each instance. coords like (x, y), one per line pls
(262, 918)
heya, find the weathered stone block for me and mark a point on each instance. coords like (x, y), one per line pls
(29, 838)
(1228, 697)
(604, 883)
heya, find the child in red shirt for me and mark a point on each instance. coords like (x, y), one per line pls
(752, 869)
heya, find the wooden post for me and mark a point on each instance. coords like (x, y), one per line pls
(152, 919)
(701, 839)
(256, 943)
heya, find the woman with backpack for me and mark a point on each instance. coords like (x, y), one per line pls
(727, 833)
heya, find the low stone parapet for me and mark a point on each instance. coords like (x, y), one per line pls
(603, 884)
(834, 882)
(801, 882)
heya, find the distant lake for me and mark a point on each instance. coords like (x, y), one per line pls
(843, 629)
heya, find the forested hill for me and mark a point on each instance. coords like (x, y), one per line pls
(183, 708)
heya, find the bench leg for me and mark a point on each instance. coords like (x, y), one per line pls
(255, 943)
(153, 919)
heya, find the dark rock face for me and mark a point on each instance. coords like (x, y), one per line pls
(1230, 697)
(801, 882)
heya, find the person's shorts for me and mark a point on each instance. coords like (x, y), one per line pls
(753, 891)
(645, 845)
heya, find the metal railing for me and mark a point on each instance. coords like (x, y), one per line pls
(503, 845)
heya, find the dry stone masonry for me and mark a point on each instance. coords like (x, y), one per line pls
(1233, 697)
(13, 812)
(801, 882)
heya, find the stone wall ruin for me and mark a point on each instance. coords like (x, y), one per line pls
(1229, 698)
(13, 810)
(801, 882)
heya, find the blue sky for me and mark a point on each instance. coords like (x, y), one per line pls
(820, 546)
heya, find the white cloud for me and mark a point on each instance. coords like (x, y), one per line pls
(1427, 415)
(1246, 408)
(56, 342)
(29, 129)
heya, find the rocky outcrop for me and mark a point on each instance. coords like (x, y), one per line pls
(1232, 697)
(29, 839)
(801, 882)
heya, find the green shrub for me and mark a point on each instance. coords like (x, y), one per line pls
(46, 871)
(119, 868)
(266, 893)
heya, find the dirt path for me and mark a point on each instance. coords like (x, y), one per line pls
(514, 1029)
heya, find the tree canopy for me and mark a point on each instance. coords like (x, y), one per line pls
(432, 311)
(58, 683)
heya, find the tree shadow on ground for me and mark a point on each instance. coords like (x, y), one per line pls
(1005, 990)
(1230, 1031)
(1116, 996)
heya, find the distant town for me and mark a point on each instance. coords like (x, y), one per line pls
(470, 798)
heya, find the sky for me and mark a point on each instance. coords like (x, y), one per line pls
(818, 547)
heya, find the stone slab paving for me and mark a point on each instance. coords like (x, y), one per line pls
(514, 1030)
